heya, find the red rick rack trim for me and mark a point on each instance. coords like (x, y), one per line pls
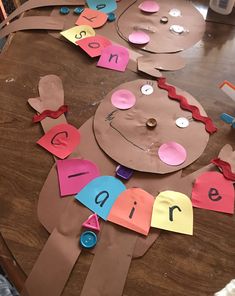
(225, 167)
(209, 126)
(48, 113)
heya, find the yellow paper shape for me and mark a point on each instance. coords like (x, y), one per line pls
(173, 211)
(78, 33)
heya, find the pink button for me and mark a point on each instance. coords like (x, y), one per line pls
(123, 99)
(139, 37)
(172, 153)
(149, 6)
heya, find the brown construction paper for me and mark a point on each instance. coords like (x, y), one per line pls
(109, 268)
(162, 61)
(30, 4)
(162, 40)
(126, 130)
(32, 22)
(227, 154)
(51, 98)
(110, 31)
(64, 216)
(54, 264)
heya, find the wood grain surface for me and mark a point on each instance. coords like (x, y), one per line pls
(176, 265)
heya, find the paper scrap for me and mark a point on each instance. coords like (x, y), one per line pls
(60, 140)
(93, 18)
(74, 174)
(212, 191)
(172, 153)
(123, 99)
(78, 32)
(105, 6)
(100, 194)
(173, 211)
(133, 210)
(114, 57)
(94, 45)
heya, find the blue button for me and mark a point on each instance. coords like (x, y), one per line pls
(78, 10)
(88, 239)
(111, 17)
(64, 10)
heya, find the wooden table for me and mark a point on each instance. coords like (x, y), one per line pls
(176, 264)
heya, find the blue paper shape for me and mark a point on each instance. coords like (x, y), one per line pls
(105, 6)
(100, 194)
(228, 119)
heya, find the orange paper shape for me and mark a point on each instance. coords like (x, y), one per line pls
(213, 192)
(94, 45)
(133, 210)
(173, 211)
(93, 18)
(60, 140)
(92, 223)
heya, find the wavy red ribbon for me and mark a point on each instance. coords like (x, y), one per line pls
(209, 126)
(48, 113)
(225, 167)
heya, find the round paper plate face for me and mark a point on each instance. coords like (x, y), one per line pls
(125, 135)
(171, 26)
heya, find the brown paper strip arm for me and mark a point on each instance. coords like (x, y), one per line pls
(33, 22)
(55, 263)
(39, 3)
(109, 268)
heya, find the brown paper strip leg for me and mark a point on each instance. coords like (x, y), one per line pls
(39, 3)
(55, 263)
(108, 272)
(33, 22)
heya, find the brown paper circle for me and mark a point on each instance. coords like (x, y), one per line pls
(162, 40)
(124, 136)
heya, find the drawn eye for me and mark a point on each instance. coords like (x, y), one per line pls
(146, 89)
(182, 122)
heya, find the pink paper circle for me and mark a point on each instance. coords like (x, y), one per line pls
(123, 99)
(149, 6)
(172, 153)
(139, 37)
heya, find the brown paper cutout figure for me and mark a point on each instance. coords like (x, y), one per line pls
(63, 217)
(164, 41)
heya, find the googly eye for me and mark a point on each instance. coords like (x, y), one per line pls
(146, 89)
(177, 29)
(182, 122)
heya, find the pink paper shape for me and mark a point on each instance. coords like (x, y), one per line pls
(149, 6)
(93, 45)
(123, 99)
(212, 191)
(139, 37)
(92, 223)
(172, 153)
(60, 140)
(74, 174)
(114, 57)
(133, 210)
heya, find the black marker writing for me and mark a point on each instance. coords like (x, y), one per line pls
(102, 201)
(81, 33)
(171, 209)
(214, 192)
(113, 56)
(94, 45)
(57, 141)
(132, 211)
(78, 174)
(89, 19)
(100, 6)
